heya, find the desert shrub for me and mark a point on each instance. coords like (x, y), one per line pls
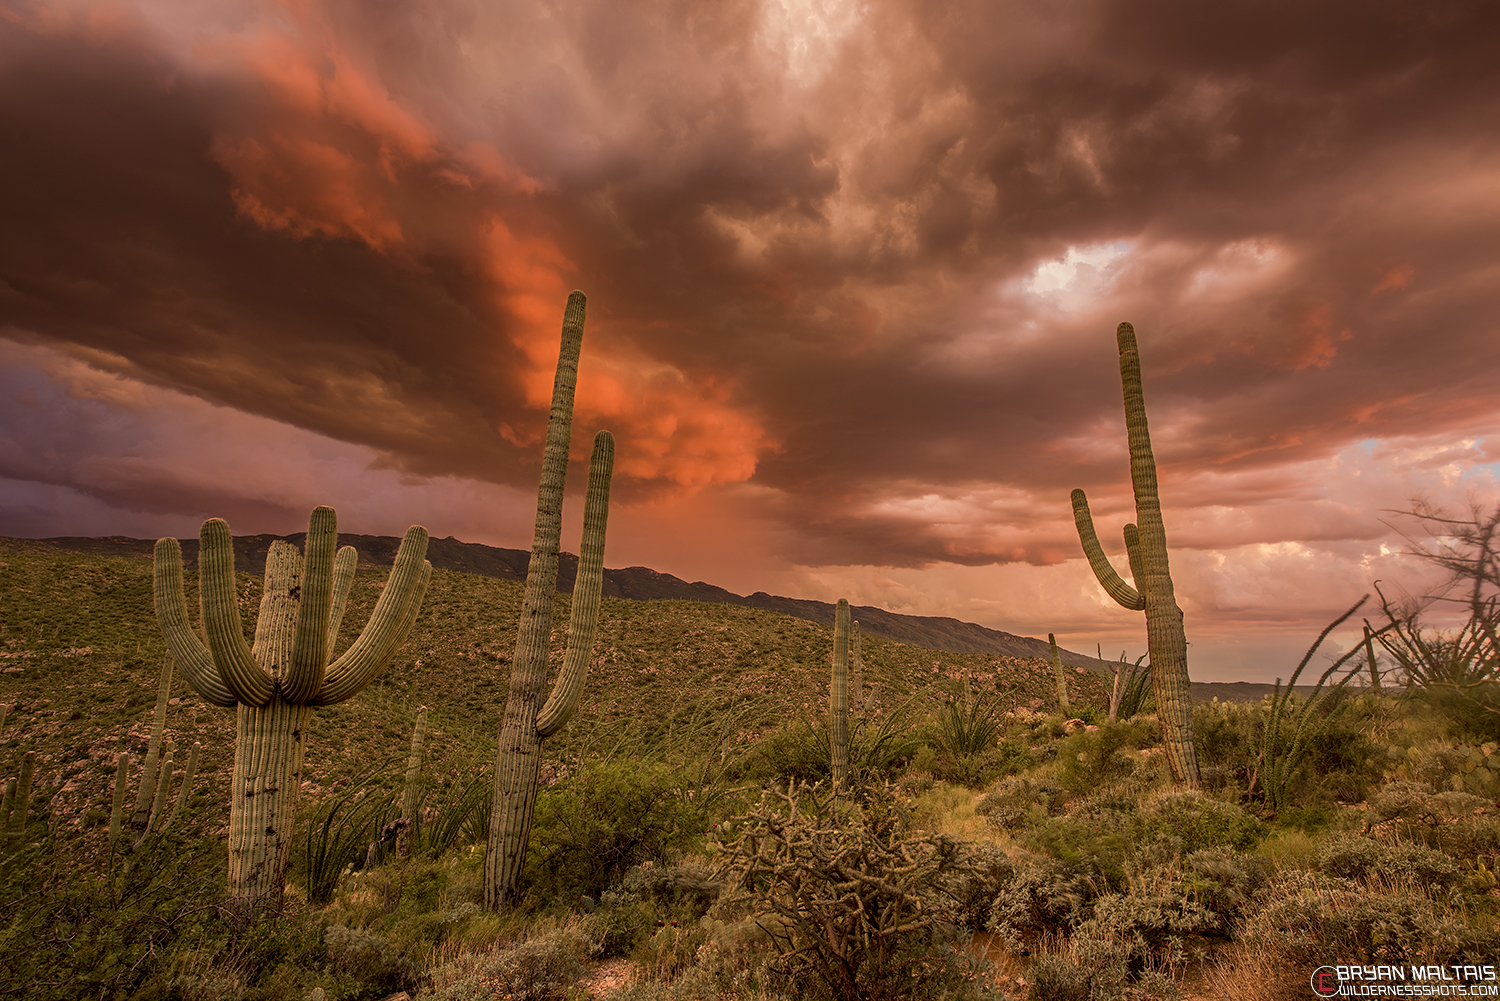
(365, 955)
(544, 966)
(686, 889)
(1446, 765)
(1309, 917)
(1200, 821)
(1102, 832)
(1089, 761)
(974, 891)
(1010, 801)
(1351, 856)
(1172, 907)
(1045, 896)
(1058, 977)
(593, 827)
(1226, 736)
(855, 903)
(799, 751)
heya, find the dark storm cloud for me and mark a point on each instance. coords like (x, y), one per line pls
(816, 241)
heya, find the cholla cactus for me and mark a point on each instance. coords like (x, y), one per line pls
(527, 721)
(1146, 549)
(275, 684)
(838, 699)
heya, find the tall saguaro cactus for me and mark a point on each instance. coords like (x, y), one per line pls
(275, 683)
(1146, 549)
(857, 683)
(838, 698)
(528, 722)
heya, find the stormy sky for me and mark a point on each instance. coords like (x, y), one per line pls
(853, 274)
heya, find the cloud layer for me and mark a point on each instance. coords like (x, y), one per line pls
(853, 274)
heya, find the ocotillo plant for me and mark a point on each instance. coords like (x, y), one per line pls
(527, 721)
(276, 683)
(1062, 678)
(1146, 549)
(838, 699)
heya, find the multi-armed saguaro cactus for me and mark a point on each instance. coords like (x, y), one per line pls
(838, 698)
(1146, 549)
(276, 683)
(527, 721)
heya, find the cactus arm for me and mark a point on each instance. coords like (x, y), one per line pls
(221, 616)
(186, 790)
(347, 685)
(343, 580)
(394, 615)
(171, 614)
(1133, 552)
(1113, 584)
(5, 805)
(304, 676)
(838, 699)
(587, 589)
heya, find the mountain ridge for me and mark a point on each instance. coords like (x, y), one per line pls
(634, 583)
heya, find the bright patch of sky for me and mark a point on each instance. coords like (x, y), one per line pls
(807, 33)
(1076, 274)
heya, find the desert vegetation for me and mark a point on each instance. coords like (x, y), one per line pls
(686, 840)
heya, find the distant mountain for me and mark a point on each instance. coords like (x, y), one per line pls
(635, 583)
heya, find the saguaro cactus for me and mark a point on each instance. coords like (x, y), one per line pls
(276, 683)
(838, 698)
(150, 813)
(1062, 678)
(527, 721)
(1146, 549)
(857, 683)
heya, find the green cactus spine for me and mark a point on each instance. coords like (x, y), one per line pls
(528, 722)
(1146, 550)
(1062, 678)
(275, 683)
(838, 699)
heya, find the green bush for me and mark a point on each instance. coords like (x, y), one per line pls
(1350, 856)
(1173, 908)
(1308, 917)
(1045, 896)
(1010, 802)
(1090, 761)
(1200, 821)
(593, 827)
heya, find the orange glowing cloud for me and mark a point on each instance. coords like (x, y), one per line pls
(1398, 277)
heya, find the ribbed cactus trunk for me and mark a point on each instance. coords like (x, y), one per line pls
(838, 699)
(411, 795)
(527, 722)
(275, 683)
(1062, 678)
(1146, 550)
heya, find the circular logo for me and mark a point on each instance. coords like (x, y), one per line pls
(1325, 981)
